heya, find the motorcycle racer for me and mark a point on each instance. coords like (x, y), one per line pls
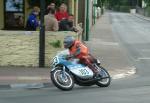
(78, 50)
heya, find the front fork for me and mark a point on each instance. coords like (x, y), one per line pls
(63, 74)
(97, 67)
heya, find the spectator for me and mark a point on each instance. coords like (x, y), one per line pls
(51, 5)
(32, 22)
(51, 23)
(98, 12)
(62, 13)
(67, 24)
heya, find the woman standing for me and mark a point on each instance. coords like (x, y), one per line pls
(62, 13)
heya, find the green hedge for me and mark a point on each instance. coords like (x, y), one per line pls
(148, 11)
(116, 8)
(122, 8)
(125, 8)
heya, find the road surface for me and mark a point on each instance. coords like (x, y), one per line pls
(133, 35)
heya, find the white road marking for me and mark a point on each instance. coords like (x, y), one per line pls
(143, 58)
(123, 75)
(145, 50)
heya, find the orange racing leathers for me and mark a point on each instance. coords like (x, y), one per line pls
(80, 51)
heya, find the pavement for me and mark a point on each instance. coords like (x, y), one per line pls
(142, 17)
(103, 45)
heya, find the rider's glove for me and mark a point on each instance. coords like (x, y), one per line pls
(69, 57)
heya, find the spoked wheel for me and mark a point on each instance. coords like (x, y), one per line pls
(105, 78)
(63, 81)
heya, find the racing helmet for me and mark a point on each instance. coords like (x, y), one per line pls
(68, 41)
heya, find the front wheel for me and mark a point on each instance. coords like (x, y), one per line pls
(105, 78)
(63, 81)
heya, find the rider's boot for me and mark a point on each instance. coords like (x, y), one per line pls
(96, 75)
(95, 71)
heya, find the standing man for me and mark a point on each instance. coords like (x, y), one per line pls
(51, 5)
(51, 23)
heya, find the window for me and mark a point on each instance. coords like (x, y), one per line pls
(14, 14)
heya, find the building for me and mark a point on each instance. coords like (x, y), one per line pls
(82, 9)
(13, 13)
(13, 17)
(87, 15)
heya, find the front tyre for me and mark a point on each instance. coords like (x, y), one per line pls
(62, 82)
(106, 79)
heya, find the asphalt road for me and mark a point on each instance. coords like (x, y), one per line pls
(133, 35)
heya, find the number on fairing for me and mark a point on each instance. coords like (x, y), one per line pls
(55, 61)
(84, 72)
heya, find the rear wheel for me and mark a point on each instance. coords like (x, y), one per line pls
(105, 78)
(63, 81)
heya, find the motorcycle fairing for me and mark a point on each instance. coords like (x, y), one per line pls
(77, 69)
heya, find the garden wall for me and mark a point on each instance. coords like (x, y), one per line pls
(21, 48)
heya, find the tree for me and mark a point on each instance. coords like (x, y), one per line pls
(100, 3)
(113, 3)
(147, 2)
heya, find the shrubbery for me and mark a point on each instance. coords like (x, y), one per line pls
(125, 8)
(56, 44)
(122, 8)
(120, 5)
(148, 11)
(116, 8)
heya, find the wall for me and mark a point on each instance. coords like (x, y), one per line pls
(90, 12)
(71, 6)
(73, 9)
(1, 14)
(20, 48)
(81, 11)
(76, 11)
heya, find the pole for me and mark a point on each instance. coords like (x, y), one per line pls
(42, 35)
(94, 12)
(87, 20)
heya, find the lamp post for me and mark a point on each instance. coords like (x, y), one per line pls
(87, 20)
(42, 35)
(94, 5)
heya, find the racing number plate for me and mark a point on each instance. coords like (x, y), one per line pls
(83, 71)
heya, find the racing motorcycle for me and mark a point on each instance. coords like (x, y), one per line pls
(67, 72)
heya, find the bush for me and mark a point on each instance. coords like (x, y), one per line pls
(125, 8)
(122, 8)
(56, 44)
(116, 8)
(148, 11)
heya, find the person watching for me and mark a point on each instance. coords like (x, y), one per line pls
(62, 13)
(51, 23)
(32, 22)
(67, 24)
